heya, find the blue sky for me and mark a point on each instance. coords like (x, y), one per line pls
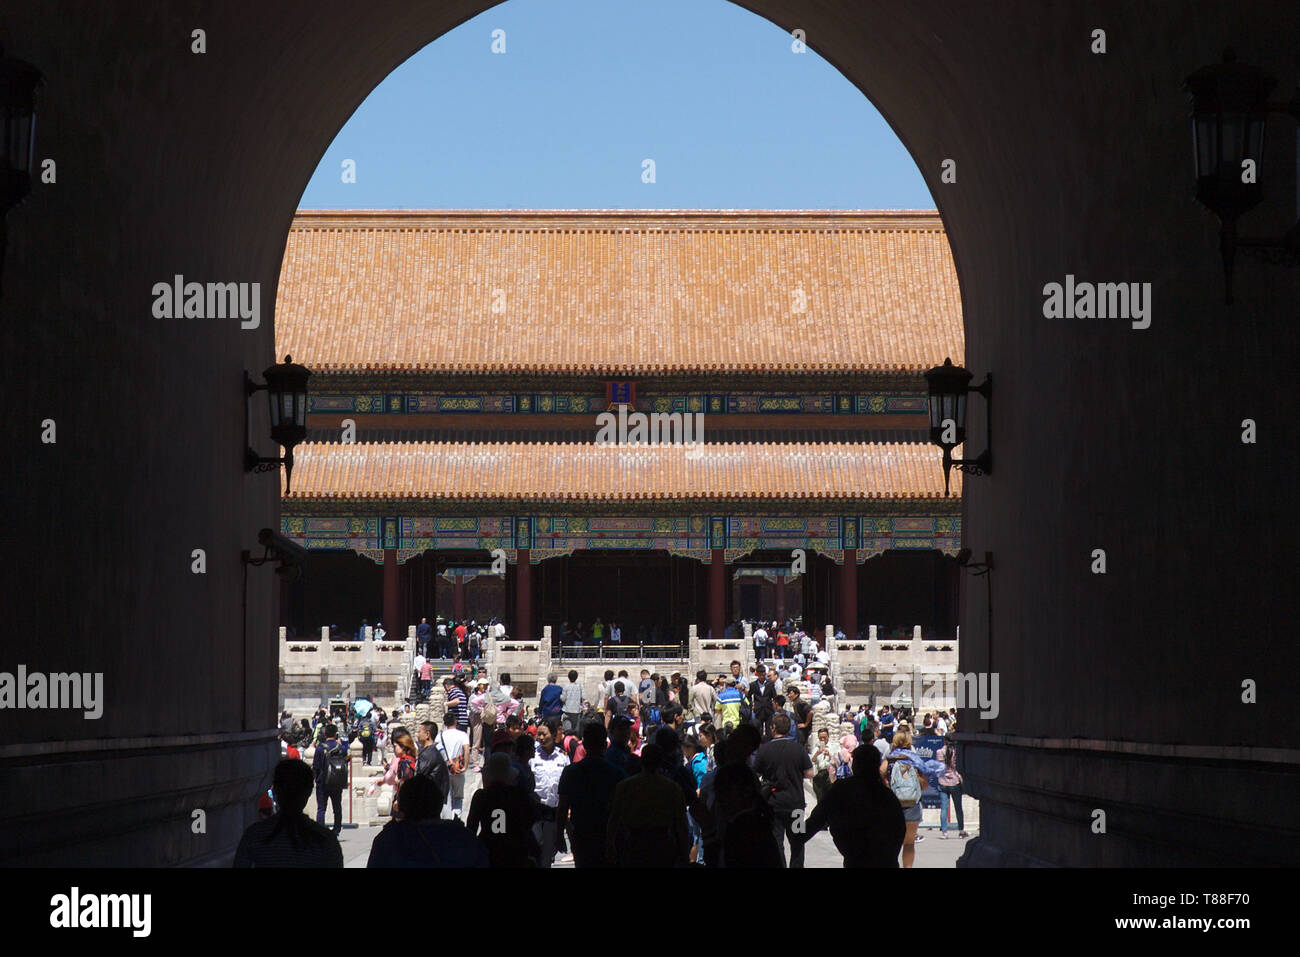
(588, 89)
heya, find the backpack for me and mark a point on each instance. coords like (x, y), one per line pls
(843, 770)
(648, 696)
(336, 769)
(904, 783)
(365, 730)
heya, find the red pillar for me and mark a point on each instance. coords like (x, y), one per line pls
(392, 593)
(718, 593)
(458, 604)
(523, 623)
(780, 599)
(848, 622)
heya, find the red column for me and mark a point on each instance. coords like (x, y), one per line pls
(848, 622)
(458, 604)
(718, 593)
(780, 599)
(392, 593)
(523, 623)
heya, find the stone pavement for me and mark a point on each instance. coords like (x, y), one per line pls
(821, 852)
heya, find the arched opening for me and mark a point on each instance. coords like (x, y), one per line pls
(1096, 448)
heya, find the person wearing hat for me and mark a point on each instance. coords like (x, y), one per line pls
(500, 814)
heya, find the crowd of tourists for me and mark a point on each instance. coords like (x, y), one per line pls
(781, 641)
(445, 639)
(657, 771)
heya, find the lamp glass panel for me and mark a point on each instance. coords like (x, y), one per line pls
(273, 399)
(300, 408)
(1204, 129)
(1255, 141)
(935, 409)
(1232, 140)
(961, 412)
(287, 399)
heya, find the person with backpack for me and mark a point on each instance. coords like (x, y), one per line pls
(619, 704)
(367, 735)
(329, 768)
(649, 701)
(950, 789)
(907, 779)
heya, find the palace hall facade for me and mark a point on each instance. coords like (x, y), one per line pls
(461, 360)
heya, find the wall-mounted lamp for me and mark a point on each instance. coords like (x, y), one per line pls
(287, 555)
(975, 568)
(286, 388)
(1229, 109)
(18, 82)
(948, 387)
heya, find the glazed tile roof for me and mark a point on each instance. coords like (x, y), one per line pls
(618, 293)
(537, 472)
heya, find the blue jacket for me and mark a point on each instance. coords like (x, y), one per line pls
(550, 701)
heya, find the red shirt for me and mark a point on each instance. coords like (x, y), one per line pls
(460, 633)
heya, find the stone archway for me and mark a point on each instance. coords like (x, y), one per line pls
(1067, 163)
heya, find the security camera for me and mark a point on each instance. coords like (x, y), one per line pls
(286, 552)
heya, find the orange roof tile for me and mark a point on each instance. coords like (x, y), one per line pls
(618, 293)
(535, 472)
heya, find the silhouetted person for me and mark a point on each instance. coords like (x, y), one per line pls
(289, 838)
(865, 819)
(647, 818)
(421, 838)
(501, 816)
(748, 839)
(784, 765)
(586, 792)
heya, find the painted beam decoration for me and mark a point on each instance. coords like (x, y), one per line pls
(687, 535)
(573, 403)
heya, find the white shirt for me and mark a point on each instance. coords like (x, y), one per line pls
(616, 634)
(419, 662)
(942, 725)
(501, 629)
(452, 743)
(547, 770)
(442, 629)
(760, 635)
